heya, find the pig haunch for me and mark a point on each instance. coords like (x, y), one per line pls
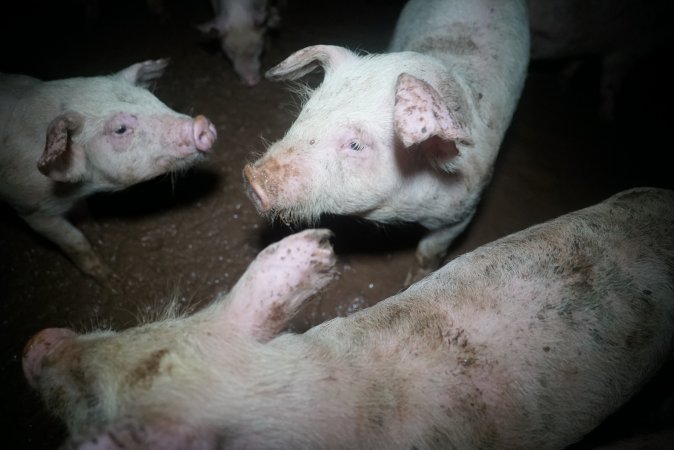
(525, 343)
(66, 139)
(406, 136)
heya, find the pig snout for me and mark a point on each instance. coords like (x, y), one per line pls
(39, 346)
(204, 133)
(255, 179)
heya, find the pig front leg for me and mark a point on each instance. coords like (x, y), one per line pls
(72, 242)
(433, 247)
(279, 282)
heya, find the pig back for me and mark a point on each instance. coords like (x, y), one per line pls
(535, 338)
(485, 44)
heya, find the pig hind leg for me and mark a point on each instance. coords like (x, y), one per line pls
(71, 241)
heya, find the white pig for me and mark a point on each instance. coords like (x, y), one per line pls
(409, 135)
(241, 26)
(618, 32)
(525, 343)
(65, 139)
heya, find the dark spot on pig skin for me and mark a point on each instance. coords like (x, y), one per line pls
(146, 370)
(459, 45)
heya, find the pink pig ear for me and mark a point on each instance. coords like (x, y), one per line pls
(306, 60)
(279, 282)
(160, 434)
(61, 160)
(422, 118)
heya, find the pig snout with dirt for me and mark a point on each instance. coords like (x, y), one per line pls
(65, 139)
(406, 136)
(525, 343)
(241, 26)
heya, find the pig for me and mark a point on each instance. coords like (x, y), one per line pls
(406, 136)
(525, 343)
(65, 139)
(618, 32)
(241, 26)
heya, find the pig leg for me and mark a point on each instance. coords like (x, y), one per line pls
(279, 281)
(433, 247)
(72, 242)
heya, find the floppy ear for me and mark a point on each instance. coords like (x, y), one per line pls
(423, 118)
(279, 281)
(306, 60)
(132, 435)
(142, 74)
(61, 160)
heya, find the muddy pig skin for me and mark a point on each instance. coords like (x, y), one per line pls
(525, 343)
(241, 26)
(65, 139)
(406, 136)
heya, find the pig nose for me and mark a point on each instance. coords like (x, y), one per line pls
(251, 79)
(254, 189)
(38, 347)
(204, 133)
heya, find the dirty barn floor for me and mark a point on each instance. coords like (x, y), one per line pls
(192, 236)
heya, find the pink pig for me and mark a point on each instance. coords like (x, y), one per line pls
(406, 136)
(525, 343)
(66, 139)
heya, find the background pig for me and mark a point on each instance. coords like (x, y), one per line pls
(526, 343)
(241, 26)
(618, 32)
(409, 135)
(65, 139)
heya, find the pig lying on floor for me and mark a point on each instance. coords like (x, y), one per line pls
(66, 139)
(525, 343)
(406, 136)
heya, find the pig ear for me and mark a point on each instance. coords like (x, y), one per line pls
(213, 28)
(423, 118)
(61, 160)
(304, 61)
(161, 434)
(144, 73)
(281, 279)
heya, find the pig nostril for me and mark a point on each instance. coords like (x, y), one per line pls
(205, 133)
(254, 190)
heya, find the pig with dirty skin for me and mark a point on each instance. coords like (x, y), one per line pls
(525, 343)
(65, 139)
(406, 136)
(241, 26)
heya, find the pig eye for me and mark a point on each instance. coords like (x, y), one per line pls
(356, 146)
(121, 129)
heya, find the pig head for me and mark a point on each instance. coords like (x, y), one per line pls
(241, 26)
(406, 136)
(525, 343)
(66, 139)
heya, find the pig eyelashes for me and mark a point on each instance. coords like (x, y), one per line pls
(356, 146)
